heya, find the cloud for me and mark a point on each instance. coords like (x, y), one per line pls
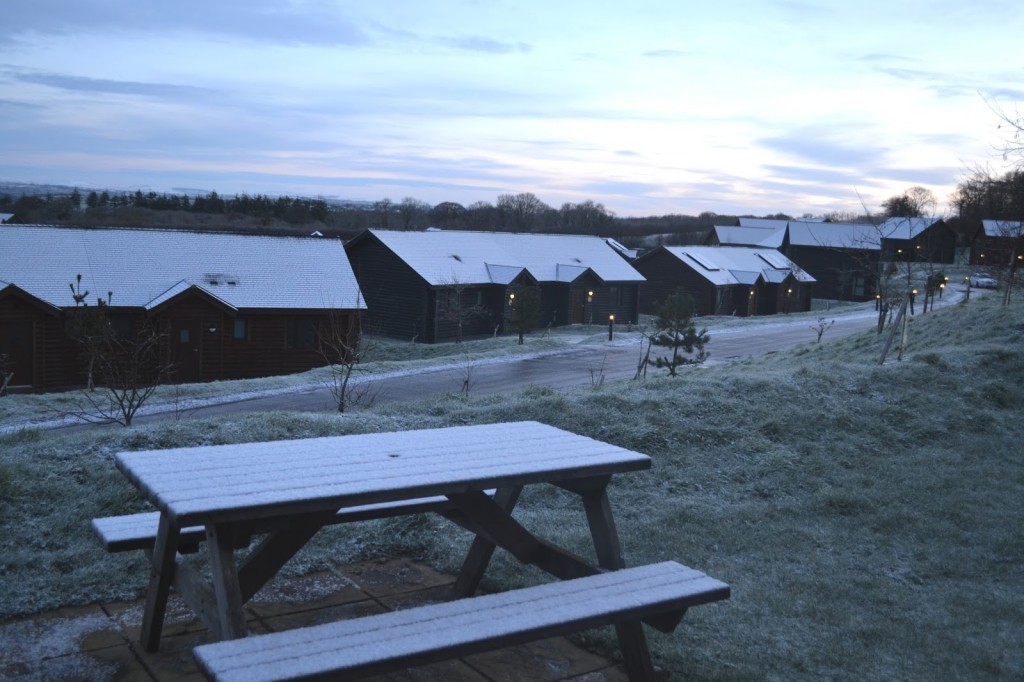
(827, 176)
(289, 23)
(112, 87)
(486, 45)
(817, 147)
(666, 54)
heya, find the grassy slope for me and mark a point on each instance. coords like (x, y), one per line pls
(867, 517)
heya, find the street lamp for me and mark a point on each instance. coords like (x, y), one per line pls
(611, 326)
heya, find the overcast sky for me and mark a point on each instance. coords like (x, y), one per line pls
(647, 107)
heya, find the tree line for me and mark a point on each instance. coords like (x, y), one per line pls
(981, 195)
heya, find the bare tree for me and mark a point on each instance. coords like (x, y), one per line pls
(89, 326)
(454, 305)
(412, 213)
(820, 327)
(345, 348)
(523, 212)
(129, 369)
(6, 372)
(382, 212)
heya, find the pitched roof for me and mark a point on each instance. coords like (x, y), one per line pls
(764, 223)
(445, 257)
(725, 265)
(768, 237)
(905, 228)
(1003, 228)
(835, 235)
(144, 268)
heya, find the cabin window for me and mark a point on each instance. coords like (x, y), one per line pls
(301, 333)
(859, 285)
(183, 336)
(240, 330)
(122, 327)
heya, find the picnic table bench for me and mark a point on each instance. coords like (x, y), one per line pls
(286, 491)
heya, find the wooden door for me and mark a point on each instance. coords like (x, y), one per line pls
(17, 342)
(186, 350)
(579, 305)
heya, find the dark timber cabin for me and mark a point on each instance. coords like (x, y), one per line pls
(725, 280)
(229, 306)
(436, 285)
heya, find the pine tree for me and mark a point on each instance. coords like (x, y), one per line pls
(675, 330)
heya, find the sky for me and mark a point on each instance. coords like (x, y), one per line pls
(646, 107)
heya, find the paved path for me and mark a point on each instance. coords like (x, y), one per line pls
(560, 370)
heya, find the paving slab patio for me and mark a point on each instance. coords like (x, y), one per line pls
(99, 642)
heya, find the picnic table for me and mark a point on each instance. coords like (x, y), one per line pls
(286, 491)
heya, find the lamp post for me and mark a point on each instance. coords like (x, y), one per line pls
(913, 295)
(611, 326)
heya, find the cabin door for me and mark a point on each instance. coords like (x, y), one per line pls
(186, 351)
(579, 305)
(16, 341)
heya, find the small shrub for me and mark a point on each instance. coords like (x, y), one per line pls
(6, 483)
(933, 359)
(20, 437)
(1001, 395)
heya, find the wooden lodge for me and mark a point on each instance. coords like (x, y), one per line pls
(438, 285)
(725, 280)
(227, 306)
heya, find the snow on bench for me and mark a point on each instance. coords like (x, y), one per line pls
(396, 640)
(138, 531)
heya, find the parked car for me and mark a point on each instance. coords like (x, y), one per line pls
(984, 281)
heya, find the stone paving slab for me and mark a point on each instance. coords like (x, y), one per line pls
(98, 643)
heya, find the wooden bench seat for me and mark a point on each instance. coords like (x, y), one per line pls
(658, 594)
(138, 531)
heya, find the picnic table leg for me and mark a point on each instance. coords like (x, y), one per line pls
(161, 577)
(481, 551)
(226, 587)
(632, 640)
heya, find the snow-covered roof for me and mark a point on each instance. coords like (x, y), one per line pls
(835, 235)
(764, 223)
(1003, 228)
(725, 265)
(143, 267)
(905, 228)
(444, 257)
(4, 217)
(623, 250)
(768, 237)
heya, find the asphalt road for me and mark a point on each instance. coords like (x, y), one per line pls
(581, 366)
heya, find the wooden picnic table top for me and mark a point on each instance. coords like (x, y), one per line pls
(244, 481)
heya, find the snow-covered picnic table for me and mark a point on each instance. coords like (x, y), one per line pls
(288, 490)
